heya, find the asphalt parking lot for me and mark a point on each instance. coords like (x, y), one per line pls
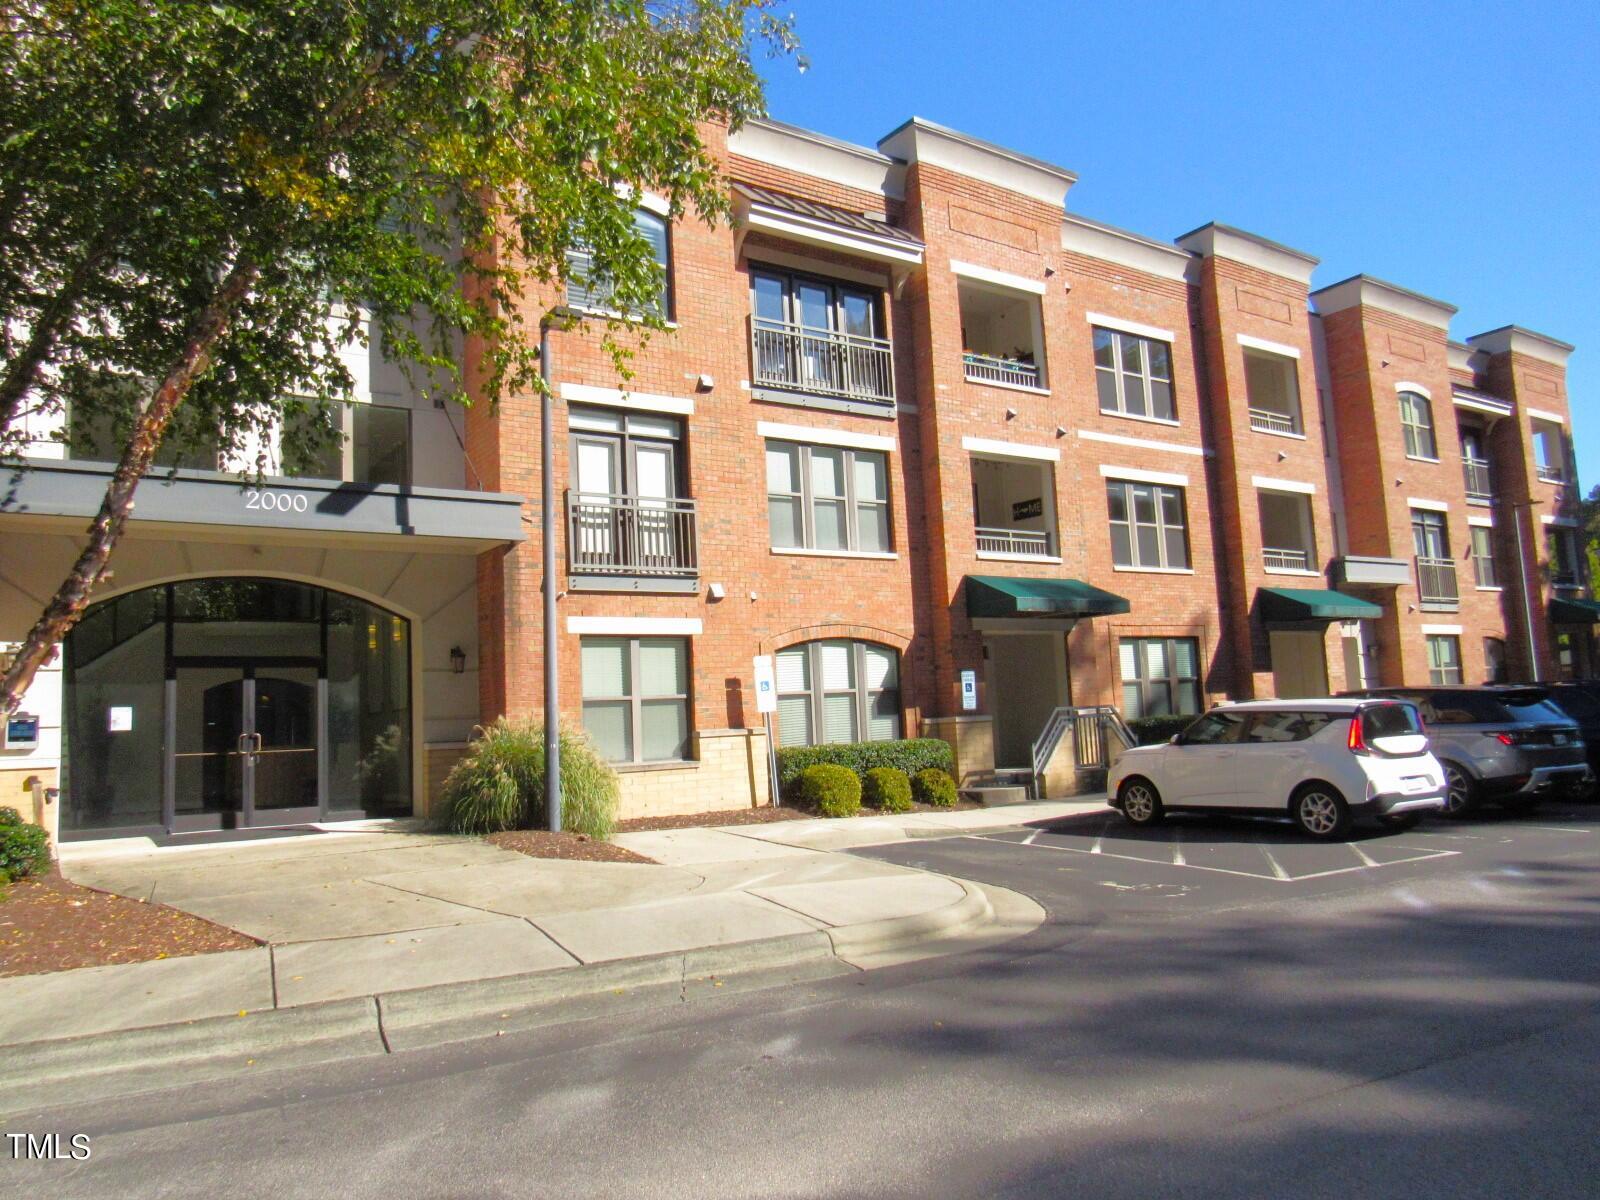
(1203, 859)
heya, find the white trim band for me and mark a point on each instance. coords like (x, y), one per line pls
(631, 626)
(1268, 484)
(1005, 279)
(1481, 522)
(1408, 385)
(1133, 327)
(825, 437)
(1010, 449)
(1255, 343)
(1564, 522)
(1539, 414)
(1427, 505)
(1117, 439)
(583, 393)
(1445, 630)
(1134, 475)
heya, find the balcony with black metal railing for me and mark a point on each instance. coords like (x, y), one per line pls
(629, 541)
(1475, 474)
(822, 362)
(1436, 582)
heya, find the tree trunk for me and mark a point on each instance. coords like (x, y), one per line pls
(72, 597)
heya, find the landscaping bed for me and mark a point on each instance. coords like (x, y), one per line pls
(48, 923)
(729, 816)
(541, 843)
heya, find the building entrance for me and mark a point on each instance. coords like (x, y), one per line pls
(231, 704)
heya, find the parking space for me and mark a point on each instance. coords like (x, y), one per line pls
(1223, 859)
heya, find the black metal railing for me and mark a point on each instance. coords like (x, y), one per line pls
(822, 362)
(990, 368)
(631, 535)
(1436, 580)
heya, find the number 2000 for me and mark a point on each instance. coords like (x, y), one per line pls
(275, 501)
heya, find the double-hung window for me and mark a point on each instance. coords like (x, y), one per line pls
(1416, 423)
(1133, 375)
(827, 498)
(588, 289)
(1148, 525)
(636, 697)
(837, 691)
(1483, 556)
(1160, 676)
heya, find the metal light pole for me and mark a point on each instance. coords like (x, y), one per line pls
(1522, 579)
(547, 531)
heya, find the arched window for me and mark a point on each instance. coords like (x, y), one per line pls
(838, 691)
(587, 290)
(1416, 422)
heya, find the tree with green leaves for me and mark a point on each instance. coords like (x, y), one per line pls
(1589, 515)
(201, 204)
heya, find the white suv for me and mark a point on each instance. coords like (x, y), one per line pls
(1319, 762)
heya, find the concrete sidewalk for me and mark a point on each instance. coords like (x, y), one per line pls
(376, 940)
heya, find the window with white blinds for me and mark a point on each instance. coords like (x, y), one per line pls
(827, 498)
(1160, 676)
(838, 691)
(636, 697)
(587, 289)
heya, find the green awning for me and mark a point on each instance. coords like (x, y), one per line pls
(1312, 604)
(1007, 596)
(1575, 612)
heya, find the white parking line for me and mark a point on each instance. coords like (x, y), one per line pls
(1362, 854)
(1279, 875)
(1028, 841)
(1272, 862)
(1098, 841)
(1177, 848)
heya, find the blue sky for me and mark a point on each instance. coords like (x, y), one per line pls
(1453, 149)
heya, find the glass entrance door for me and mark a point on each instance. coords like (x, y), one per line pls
(245, 746)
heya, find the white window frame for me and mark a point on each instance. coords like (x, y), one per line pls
(635, 698)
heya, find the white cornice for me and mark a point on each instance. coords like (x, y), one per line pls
(923, 141)
(1375, 293)
(1224, 241)
(1522, 341)
(818, 156)
(1079, 235)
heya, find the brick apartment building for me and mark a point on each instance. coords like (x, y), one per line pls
(915, 426)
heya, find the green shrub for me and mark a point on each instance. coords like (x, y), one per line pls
(887, 789)
(832, 790)
(1153, 730)
(9, 816)
(934, 786)
(24, 850)
(500, 783)
(909, 755)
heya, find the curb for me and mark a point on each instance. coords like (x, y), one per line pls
(124, 1062)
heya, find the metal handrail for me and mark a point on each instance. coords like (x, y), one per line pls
(821, 361)
(1436, 580)
(1284, 559)
(990, 368)
(1475, 472)
(1265, 420)
(996, 540)
(1091, 726)
(631, 535)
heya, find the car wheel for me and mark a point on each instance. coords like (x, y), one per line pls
(1320, 811)
(1140, 802)
(1461, 791)
(1399, 822)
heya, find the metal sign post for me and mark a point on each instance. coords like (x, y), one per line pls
(766, 705)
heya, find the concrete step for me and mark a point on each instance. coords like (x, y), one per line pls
(996, 793)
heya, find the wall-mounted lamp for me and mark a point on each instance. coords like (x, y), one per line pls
(458, 660)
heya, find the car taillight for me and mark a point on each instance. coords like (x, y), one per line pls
(1357, 740)
(1505, 739)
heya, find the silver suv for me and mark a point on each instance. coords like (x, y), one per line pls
(1500, 743)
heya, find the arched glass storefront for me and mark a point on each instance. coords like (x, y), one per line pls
(232, 703)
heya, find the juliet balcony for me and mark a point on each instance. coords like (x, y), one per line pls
(631, 543)
(1436, 582)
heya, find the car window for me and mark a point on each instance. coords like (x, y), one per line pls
(1271, 727)
(1215, 728)
(1577, 703)
(1463, 708)
(1389, 720)
(1532, 708)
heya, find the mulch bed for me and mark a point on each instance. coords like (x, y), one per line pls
(541, 843)
(48, 923)
(731, 816)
